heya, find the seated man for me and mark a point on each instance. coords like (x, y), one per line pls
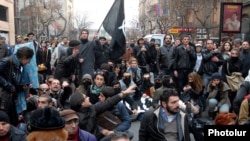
(71, 126)
(7, 131)
(119, 111)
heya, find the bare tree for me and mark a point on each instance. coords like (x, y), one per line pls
(203, 10)
(82, 21)
(40, 16)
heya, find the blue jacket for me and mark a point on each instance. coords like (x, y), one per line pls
(86, 136)
(123, 116)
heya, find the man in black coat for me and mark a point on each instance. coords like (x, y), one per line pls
(10, 78)
(67, 66)
(8, 131)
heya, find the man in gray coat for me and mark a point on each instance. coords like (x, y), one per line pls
(87, 54)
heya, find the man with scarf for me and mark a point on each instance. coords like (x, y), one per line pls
(87, 54)
(11, 74)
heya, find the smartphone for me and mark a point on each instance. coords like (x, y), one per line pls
(27, 84)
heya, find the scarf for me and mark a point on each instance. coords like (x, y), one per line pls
(96, 90)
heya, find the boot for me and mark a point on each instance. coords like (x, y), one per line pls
(212, 114)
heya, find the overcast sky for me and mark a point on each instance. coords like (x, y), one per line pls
(97, 10)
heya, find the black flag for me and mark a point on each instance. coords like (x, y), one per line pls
(114, 24)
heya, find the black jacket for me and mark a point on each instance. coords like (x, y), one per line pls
(184, 60)
(243, 91)
(88, 115)
(16, 134)
(10, 74)
(208, 66)
(150, 127)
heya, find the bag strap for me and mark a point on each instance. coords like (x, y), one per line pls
(228, 69)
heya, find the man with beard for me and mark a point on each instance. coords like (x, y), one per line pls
(87, 54)
(164, 58)
(166, 122)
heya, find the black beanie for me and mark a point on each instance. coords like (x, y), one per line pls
(45, 119)
(216, 75)
(4, 117)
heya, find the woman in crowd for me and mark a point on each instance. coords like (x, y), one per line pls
(232, 66)
(226, 50)
(94, 90)
(218, 100)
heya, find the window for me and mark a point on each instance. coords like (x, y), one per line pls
(3, 13)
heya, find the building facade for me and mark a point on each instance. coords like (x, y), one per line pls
(198, 18)
(7, 28)
(45, 18)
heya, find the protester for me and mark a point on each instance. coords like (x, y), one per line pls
(9, 132)
(88, 113)
(87, 52)
(171, 124)
(11, 76)
(119, 111)
(46, 124)
(218, 100)
(71, 126)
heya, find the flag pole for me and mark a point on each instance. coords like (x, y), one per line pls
(105, 18)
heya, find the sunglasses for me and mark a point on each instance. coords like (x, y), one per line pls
(43, 89)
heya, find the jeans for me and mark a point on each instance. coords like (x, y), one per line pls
(206, 79)
(212, 103)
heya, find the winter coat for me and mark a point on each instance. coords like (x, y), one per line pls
(151, 128)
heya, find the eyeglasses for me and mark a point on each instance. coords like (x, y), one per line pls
(43, 89)
(75, 121)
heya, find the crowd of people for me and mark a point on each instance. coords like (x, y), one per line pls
(83, 95)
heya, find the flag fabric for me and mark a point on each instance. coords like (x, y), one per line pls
(165, 11)
(158, 9)
(114, 24)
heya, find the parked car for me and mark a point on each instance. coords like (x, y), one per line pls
(159, 38)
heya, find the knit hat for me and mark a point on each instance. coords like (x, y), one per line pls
(216, 76)
(45, 119)
(68, 114)
(88, 76)
(4, 117)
